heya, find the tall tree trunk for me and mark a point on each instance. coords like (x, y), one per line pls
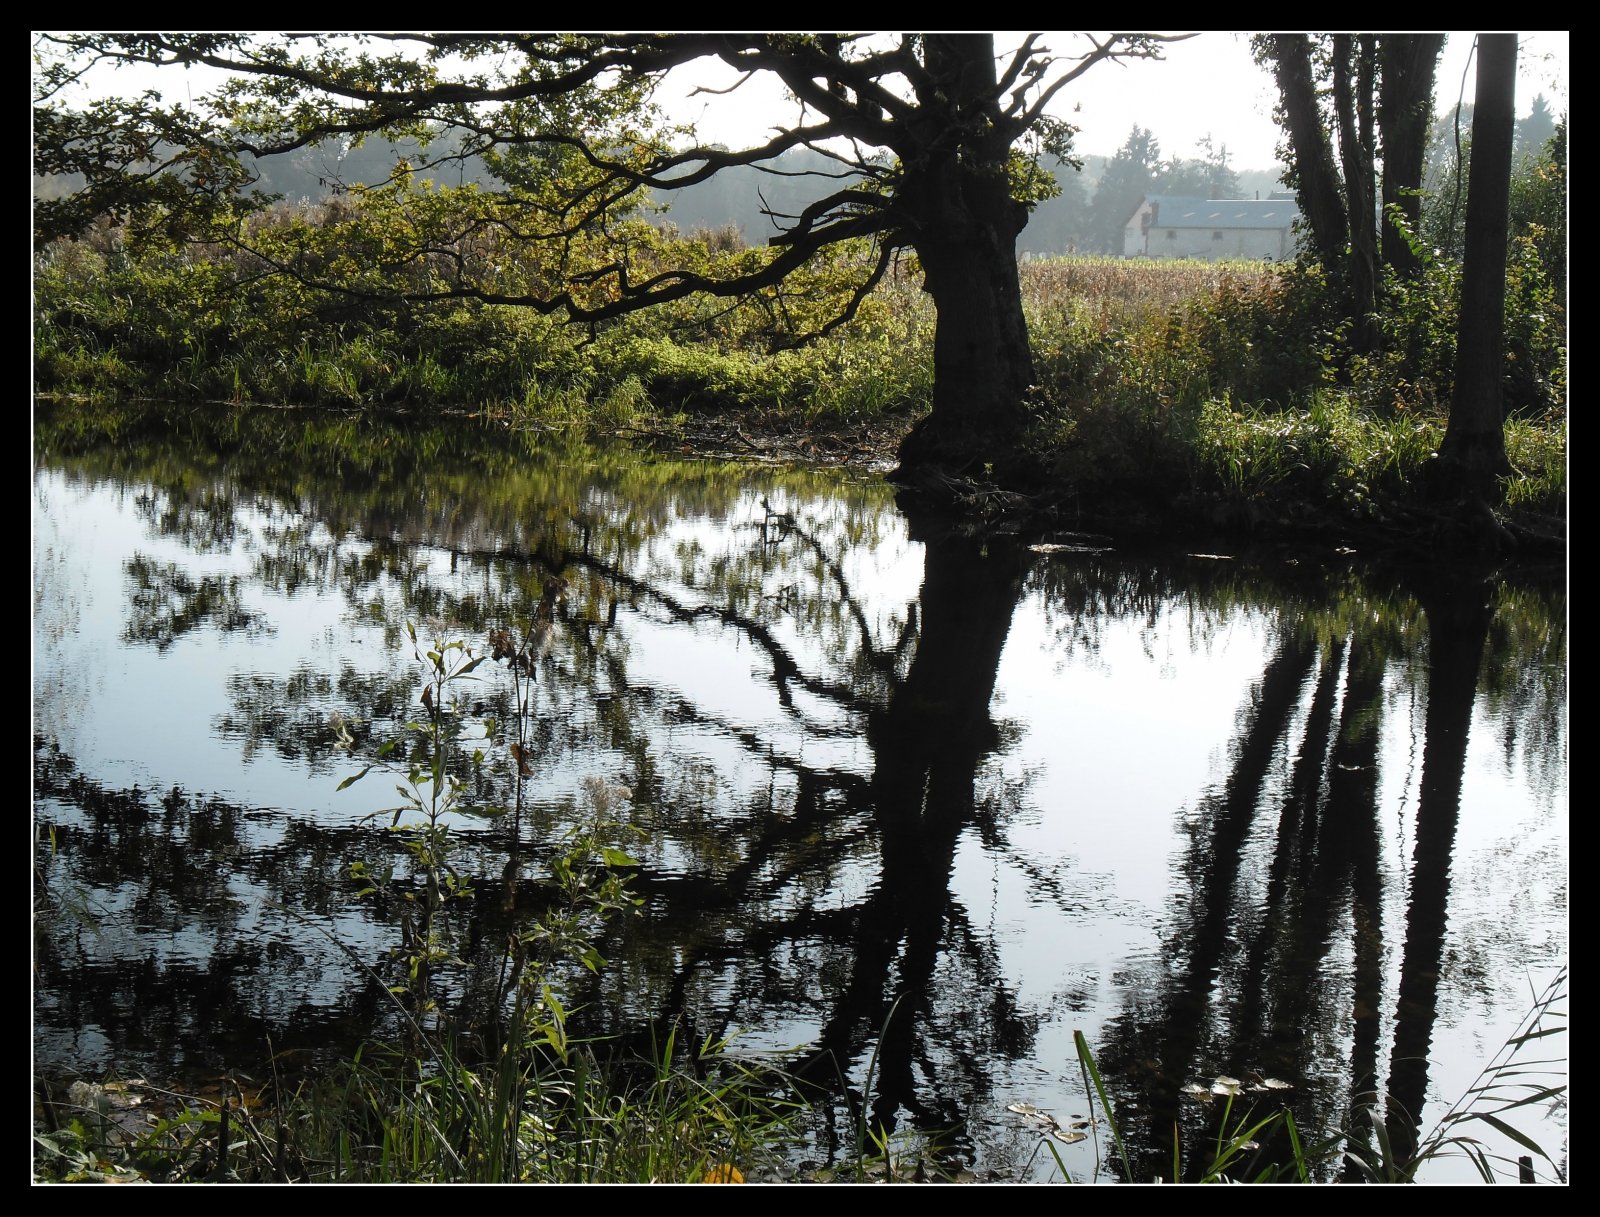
(1317, 179)
(1405, 109)
(964, 223)
(1352, 101)
(1473, 454)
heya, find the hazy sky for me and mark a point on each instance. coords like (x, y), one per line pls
(1206, 85)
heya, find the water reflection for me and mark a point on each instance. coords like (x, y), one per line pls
(920, 805)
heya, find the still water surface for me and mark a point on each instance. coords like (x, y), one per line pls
(918, 806)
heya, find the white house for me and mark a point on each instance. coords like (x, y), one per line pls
(1174, 226)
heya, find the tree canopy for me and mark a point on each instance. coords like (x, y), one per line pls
(933, 140)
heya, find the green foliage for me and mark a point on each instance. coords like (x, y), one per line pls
(1538, 455)
(1536, 332)
(1330, 459)
(1538, 196)
(1137, 364)
(1234, 390)
(1539, 206)
(200, 322)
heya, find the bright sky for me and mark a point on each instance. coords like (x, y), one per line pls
(1206, 85)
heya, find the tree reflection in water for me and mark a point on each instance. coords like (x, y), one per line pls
(801, 694)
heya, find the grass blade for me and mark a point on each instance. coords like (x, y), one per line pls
(1086, 1062)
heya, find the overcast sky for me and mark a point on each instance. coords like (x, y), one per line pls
(1206, 85)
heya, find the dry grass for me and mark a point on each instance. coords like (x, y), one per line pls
(1136, 287)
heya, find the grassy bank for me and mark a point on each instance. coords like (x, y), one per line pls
(1221, 396)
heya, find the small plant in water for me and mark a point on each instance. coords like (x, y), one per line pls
(429, 792)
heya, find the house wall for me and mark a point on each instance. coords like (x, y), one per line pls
(1141, 239)
(1202, 243)
(1133, 235)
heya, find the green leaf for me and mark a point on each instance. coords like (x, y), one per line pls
(616, 857)
(1534, 1035)
(355, 777)
(1520, 1138)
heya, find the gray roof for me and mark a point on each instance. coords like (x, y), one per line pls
(1178, 211)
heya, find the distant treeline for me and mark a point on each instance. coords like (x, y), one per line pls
(1077, 220)
(1086, 217)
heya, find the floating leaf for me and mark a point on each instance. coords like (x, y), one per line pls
(1071, 1138)
(1277, 1084)
(1037, 1115)
(1227, 1086)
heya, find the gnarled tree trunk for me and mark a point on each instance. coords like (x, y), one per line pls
(961, 218)
(982, 363)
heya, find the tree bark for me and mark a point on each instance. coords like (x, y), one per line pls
(1405, 109)
(963, 222)
(1318, 180)
(1473, 453)
(982, 361)
(1352, 101)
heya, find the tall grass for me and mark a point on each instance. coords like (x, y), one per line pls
(1523, 1077)
(385, 1117)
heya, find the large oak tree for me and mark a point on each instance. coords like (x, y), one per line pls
(928, 133)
